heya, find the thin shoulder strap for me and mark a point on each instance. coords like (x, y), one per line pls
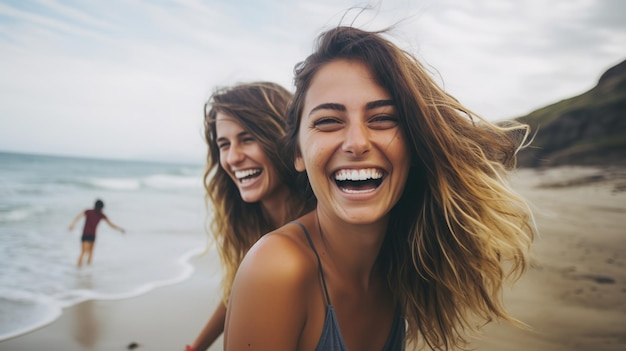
(319, 261)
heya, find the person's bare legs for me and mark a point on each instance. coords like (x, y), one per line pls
(86, 248)
(80, 257)
(89, 252)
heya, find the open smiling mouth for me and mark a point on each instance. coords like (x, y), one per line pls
(357, 181)
(248, 175)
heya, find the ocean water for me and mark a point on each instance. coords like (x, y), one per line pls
(160, 205)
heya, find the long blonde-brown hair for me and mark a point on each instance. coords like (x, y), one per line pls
(260, 108)
(459, 230)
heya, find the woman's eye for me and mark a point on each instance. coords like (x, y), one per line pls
(383, 122)
(246, 138)
(327, 124)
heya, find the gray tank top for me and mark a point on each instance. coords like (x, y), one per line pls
(331, 338)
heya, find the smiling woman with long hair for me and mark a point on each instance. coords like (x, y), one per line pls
(250, 188)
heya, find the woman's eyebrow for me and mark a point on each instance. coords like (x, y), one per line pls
(240, 135)
(328, 106)
(379, 103)
(339, 107)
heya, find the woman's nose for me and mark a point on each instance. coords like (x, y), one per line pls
(235, 155)
(357, 140)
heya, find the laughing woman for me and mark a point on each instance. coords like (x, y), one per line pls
(415, 229)
(251, 189)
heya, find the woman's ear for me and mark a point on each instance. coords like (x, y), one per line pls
(299, 162)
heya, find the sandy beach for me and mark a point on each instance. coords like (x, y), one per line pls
(573, 297)
(165, 318)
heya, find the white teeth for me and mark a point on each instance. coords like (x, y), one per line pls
(358, 174)
(246, 173)
(354, 191)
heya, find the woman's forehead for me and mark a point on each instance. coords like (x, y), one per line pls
(343, 81)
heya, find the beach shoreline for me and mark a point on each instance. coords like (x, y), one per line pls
(165, 318)
(573, 296)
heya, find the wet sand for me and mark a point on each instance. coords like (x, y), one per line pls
(166, 318)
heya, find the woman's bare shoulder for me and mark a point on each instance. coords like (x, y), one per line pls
(275, 279)
(284, 252)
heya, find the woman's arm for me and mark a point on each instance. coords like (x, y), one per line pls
(212, 330)
(267, 307)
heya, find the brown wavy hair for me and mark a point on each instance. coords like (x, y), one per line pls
(459, 231)
(260, 108)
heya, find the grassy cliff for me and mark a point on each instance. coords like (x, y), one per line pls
(589, 129)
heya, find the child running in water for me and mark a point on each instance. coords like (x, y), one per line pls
(92, 219)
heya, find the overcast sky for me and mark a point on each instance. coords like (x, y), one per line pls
(128, 79)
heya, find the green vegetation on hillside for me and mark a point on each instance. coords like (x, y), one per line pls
(589, 129)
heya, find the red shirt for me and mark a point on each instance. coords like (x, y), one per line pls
(92, 218)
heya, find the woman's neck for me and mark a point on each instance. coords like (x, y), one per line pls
(277, 207)
(353, 249)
